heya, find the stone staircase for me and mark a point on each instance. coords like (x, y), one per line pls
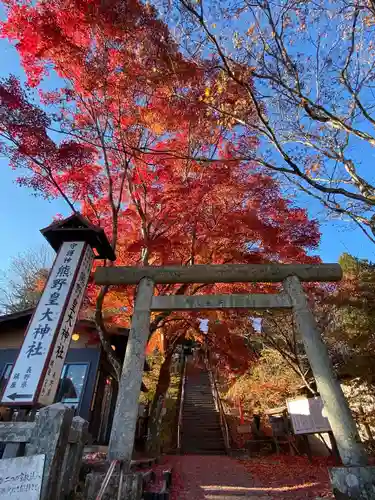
(201, 432)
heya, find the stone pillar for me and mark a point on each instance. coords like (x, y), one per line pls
(343, 426)
(126, 413)
(13, 450)
(50, 437)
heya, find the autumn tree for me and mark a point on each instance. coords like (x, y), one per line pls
(127, 140)
(307, 71)
(265, 385)
(280, 333)
(22, 284)
(116, 108)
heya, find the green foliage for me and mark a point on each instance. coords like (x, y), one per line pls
(168, 424)
(150, 379)
(356, 316)
(350, 331)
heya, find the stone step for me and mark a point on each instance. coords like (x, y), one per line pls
(199, 398)
(209, 404)
(203, 409)
(208, 443)
(203, 452)
(196, 421)
(191, 429)
(203, 446)
(203, 397)
(201, 415)
(196, 433)
(195, 382)
(197, 388)
(201, 432)
(198, 395)
(200, 407)
(193, 420)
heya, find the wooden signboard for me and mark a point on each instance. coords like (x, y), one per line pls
(21, 478)
(64, 334)
(37, 371)
(307, 416)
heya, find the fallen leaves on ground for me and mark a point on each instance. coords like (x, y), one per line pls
(285, 476)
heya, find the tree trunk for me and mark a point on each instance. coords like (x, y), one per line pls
(153, 440)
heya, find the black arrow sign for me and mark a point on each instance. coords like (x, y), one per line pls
(15, 396)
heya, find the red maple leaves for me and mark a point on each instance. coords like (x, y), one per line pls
(123, 138)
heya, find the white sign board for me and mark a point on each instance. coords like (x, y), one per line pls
(307, 415)
(56, 363)
(29, 370)
(21, 478)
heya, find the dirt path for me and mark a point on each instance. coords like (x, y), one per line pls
(225, 478)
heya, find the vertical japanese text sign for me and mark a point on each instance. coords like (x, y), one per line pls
(36, 374)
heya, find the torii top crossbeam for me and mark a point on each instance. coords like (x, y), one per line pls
(225, 273)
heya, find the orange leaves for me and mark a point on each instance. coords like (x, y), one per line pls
(251, 30)
(155, 343)
(153, 121)
(314, 165)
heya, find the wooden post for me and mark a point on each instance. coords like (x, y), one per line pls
(126, 413)
(73, 456)
(351, 449)
(132, 490)
(50, 437)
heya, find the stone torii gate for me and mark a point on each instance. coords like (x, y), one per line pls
(356, 479)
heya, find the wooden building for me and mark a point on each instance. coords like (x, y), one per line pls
(87, 382)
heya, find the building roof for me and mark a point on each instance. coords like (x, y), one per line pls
(16, 319)
(23, 317)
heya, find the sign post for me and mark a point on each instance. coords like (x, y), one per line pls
(21, 477)
(35, 376)
(307, 416)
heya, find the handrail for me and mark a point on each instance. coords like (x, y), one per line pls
(219, 406)
(182, 397)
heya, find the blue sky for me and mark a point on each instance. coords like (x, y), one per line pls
(22, 215)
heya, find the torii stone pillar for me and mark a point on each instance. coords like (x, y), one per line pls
(125, 419)
(356, 480)
(335, 404)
